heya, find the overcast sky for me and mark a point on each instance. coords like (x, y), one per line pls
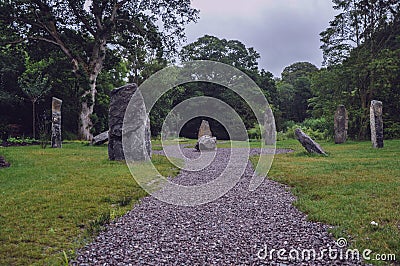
(282, 31)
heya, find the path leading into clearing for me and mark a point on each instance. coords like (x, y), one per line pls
(240, 228)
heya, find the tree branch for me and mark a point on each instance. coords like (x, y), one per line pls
(82, 18)
(51, 28)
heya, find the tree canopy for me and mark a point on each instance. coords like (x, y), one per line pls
(85, 30)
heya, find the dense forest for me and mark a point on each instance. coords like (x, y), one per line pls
(79, 53)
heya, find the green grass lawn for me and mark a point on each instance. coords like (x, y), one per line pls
(355, 185)
(53, 200)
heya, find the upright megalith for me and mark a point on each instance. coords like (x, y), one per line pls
(308, 143)
(137, 131)
(205, 142)
(341, 124)
(269, 127)
(56, 141)
(376, 124)
(204, 129)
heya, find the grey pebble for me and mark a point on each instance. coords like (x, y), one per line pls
(229, 231)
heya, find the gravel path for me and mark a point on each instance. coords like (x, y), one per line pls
(236, 229)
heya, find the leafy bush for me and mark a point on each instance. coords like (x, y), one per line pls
(22, 141)
(392, 130)
(281, 136)
(316, 128)
(255, 132)
(319, 124)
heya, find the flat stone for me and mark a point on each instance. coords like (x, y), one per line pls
(100, 139)
(308, 143)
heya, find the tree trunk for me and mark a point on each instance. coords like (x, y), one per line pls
(33, 119)
(87, 106)
(88, 99)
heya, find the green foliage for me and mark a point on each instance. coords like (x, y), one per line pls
(365, 71)
(34, 81)
(231, 52)
(319, 129)
(87, 35)
(255, 133)
(25, 141)
(294, 92)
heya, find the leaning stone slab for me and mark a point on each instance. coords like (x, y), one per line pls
(100, 139)
(341, 124)
(206, 143)
(204, 129)
(376, 121)
(138, 144)
(56, 141)
(309, 144)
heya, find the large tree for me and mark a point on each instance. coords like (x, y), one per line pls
(85, 30)
(357, 23)
(294, 91)
(236, 54)
(361, 50)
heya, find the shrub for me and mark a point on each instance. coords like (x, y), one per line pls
(255, 132)
(392, 130)
(22, 141)
(316, 128)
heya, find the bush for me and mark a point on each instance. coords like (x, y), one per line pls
(255, 132)
(319, 124)
(392, 130)
(22, 141)
(316, 128)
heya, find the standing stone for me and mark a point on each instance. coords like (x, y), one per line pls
(269, 127)
(341, 124)
(137, 142)
(376, 124)
(308, 143)
(204, 129)
(56, 123)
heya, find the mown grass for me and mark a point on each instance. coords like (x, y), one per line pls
(55, 200)
(355, 185)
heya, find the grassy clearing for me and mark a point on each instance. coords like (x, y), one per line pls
(157, 144)
(53, 200)
(349, 189)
